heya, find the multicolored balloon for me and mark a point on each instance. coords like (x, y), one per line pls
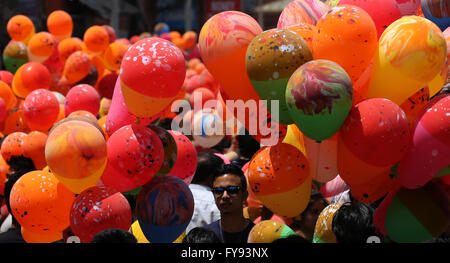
(268, 231)
(14, 55)
(437, 11)
(170, 148)
(41, 47)
(411, 52)
(347, 36)
(280, 178)
(271, 58)
(323, 231)
(164, 208)
(135, 155)
(208, 128)
(40, 203)
(429, 150)
(99, 208)
(319, 97)
(302, 11)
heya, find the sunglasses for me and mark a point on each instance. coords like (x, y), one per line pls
(231, 190)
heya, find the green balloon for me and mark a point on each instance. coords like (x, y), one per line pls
(271, 58)
(14, 56)
(319, 97)
(135, 191)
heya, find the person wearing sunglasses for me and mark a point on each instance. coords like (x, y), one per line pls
(230, 193)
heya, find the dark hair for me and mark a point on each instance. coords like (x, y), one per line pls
(353, 223)
(290, 239)
(222, 145)
(208, 165)
(20, 165)
(201, 235)
(247, 145)
(114, 235)
(315, 195)
(231, 169)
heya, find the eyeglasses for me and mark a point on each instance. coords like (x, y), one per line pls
(231, 190)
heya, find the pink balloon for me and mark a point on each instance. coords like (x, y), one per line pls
(186, 162)
(119, 115)
(82, 97)
(334, 187)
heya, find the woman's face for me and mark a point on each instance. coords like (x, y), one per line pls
(311, 216)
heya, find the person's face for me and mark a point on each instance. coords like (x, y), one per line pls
(229, 202)
(312, 214)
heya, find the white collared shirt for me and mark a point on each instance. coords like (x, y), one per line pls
(205, 209)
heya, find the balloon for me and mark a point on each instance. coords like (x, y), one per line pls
(60, 24)
(97, 209)
(86, 118)
(415, 216)
(119, 115)
(68, 46)
(223, 42)
(12, 145)
(170, 148)
(20, 28)
(102, 123)
(164, 208)
(76, 153)
(40, 109)
(135, 155)
(41, 203)
(333, 187)
(15, 122)
(59, 97)
(153, 67)
(295, 138)
(96, 39)
(83, 113)
(189, 39)
(319, 96)
(280, 178)
(14, 55)
(375, 189)
(34, 148)
(186, 162)
(137, 233)
(380, 213)
(382, 12)
(414, 104)
(114, 54)
(322, 157)
(3, 112)
(411, 52)
(272, 57)
(32, 237)
(6, 77)
(200, 96)
(302, 11)
(106, 85)
(105, 104)
(268, 231)
(41, 46)
(437, 11)
(30, 76)
(77, 66)
(323, 231)
(429, 151)
(347, 36)
(7, 95)
(408, 7)
(306, 31)
(208, 128)
(82, 97)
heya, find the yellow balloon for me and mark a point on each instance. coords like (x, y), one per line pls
(411, 52)
(139, 235)
(294, 137)
(439, 81)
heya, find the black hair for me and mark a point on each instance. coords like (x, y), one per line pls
(290, 239)
(231, 169)
(315, 195)
(208, 165)
(222, 145)
(353, 223)
(247, 145)
(19, 165)
(114, 235)
(201, 235)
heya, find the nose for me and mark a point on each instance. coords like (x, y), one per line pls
(225, 195)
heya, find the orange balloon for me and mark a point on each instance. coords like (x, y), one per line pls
(189, 39)
(77, 66)
(174, 35)
(20, 28)
(114, 54)
(68, 46)
(306, 31)
(12, 145)
(32, 237)
(199, 68)
(41, 203)
(40, 109)
(83, 113)
(346, 35)
(96, 39)
(34, 148)
(7, 95)
(376, 188)
(15, 122)
(41, 46)
(30, 76)
(60, 24)
(192, 63)
(102, 123)
(99, 65)
(4, 167)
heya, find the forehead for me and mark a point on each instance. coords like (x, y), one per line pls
(226, 180)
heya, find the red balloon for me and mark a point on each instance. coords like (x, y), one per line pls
(99, 208)
(6, 77)
(2, 110)
(186, 162)
(153, 67)
(106, 85)
(82, 97)
(135, 155)
(40, 109)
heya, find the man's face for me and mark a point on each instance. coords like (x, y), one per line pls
(229, 202)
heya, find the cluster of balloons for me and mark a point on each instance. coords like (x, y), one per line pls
(353, 80)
